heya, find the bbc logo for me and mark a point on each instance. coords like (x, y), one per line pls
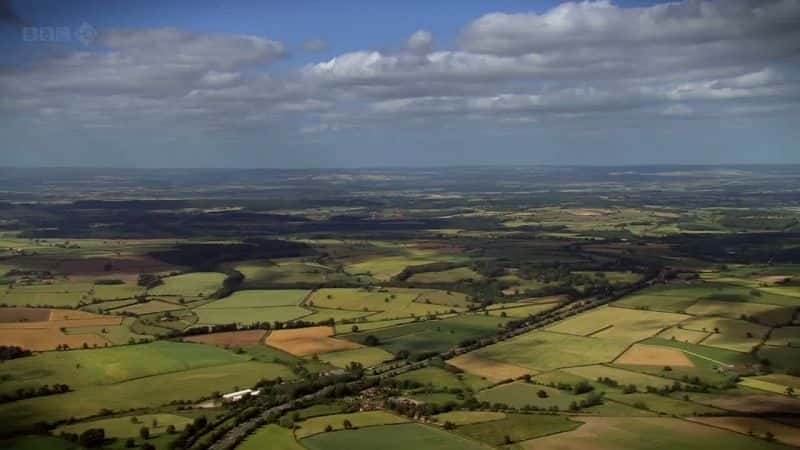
(85, 34)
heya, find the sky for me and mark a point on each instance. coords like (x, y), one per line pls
(358, 83)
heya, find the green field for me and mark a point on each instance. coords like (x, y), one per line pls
(663, 404)
(273, 437)
(211, 316)
(260, 274)
(618, 324)
(260, 298)
(150, 307)
(196, 284)
(367, 356)
(520, 394)
(446, 276)
(444, 379)
(517, 427)
(624, 377)
(777, 383)
(391, 303)
(111, 365)
(767, 314)
(468, 417)
(781, 358)
(785, 337)
(543, 350)
(731, 334)
(391, 437)
(367, 326)
(646, 433)
(316, 425)
(123, 427)
(432, 335)
(149, 391)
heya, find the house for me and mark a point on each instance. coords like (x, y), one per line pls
(238, 395)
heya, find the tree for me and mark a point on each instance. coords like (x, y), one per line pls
(371, 341)
(171, 429)
(541, 393)
(130, 443)
(354, 328)
(144, 433)
(449, 425)
(347, 424)
(507, 439)
(789, 391)
(92, 438)
(328, 428)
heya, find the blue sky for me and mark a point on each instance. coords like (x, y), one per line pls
(415, 83)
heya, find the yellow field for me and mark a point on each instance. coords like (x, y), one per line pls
(619, 324)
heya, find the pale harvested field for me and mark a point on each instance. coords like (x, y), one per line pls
(308, 341)
(648, 355)
(229, 338)
(488, 368)
(759, 427)
(40, 329)
(48, 339)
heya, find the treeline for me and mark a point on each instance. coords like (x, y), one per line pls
(207, 256)
(8, 352)
(44, 390)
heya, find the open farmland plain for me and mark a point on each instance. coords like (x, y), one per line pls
(403, 314)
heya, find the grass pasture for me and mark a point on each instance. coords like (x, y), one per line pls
(316, 425)
(432, 335)
(367, 356)
(622, 376)
(195, 284)
(391, 303)
(263, 274)
(221, 316)
(149, 391)
(260, 298)
(618, 324)
(731, 334)
(520, 394)
(392, 437)
(662, 404)
(273, 437)
(111, 365)
(517, 427)
(123, 427)
(767, 314)
(543, 350)
(444, 379)
(757, 426)
(774, 382)
(468, 417)
(611, 433)
(446, 276)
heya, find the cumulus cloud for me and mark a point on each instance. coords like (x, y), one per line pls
(421, 41)
(574, 60)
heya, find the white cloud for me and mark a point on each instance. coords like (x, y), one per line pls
(574, 60)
